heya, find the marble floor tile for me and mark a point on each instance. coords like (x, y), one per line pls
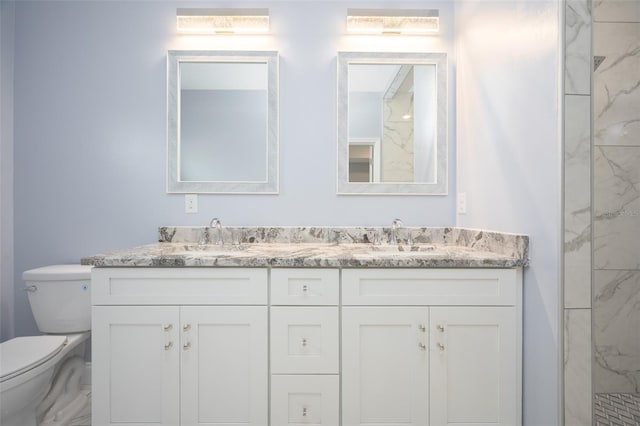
(613, 409)
(616, 86)
(616, 319)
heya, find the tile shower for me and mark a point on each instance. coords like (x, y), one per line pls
(602, 213)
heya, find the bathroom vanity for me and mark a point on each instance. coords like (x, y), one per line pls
(300, 326)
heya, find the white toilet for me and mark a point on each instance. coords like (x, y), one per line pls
(40, 375)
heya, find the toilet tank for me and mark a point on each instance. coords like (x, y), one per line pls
(60, 297)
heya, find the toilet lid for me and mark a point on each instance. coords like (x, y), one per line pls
(24, 353)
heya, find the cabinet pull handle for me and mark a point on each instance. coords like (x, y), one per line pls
(304, 411)
(422, 328)
(186, 346)
(168, 346)
(304, 342)
(168, 327)
(440, 328)
(186, 327)
(440, 346)
(305, 288)
(422, 346)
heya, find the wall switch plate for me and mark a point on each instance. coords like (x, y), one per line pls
(191, 203)
(462, 203)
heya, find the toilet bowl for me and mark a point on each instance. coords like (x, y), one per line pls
(37, 373)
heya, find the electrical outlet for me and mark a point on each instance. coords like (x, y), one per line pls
(191, 203)
(462, 203)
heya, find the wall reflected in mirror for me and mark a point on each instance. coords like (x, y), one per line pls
(392, 123)
(384, 102)
(222, 122)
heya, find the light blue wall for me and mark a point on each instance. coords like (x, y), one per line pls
(223, 135)
(509, 162)
(7, 9)
(365, 115)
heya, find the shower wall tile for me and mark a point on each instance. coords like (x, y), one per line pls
(616, 85)
(616, 10)
(577, 202)
(577, 76)
(577, 367)
(617, 208)
(616, 310)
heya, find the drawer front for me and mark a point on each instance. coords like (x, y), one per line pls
(179, 286)
(303, 400)
(304, 340)
(305, 286)
(494, 287)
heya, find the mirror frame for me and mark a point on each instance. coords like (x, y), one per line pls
(380, 188)
(174, 184)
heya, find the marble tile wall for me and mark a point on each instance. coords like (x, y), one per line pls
(577, 214)
(616, 222)
(616, 302)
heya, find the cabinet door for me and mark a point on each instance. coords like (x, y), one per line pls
(136, 368)
(474, 369)
(385, 365)
(224, 368)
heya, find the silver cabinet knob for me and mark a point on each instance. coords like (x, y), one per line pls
(422, 327)
(186, 327)
(168, 327)
(304, 342)
(305, 288)
(304, 412)
(422, 346)
(440, 346)
(168, 346)
(440, 328)
(186, 346)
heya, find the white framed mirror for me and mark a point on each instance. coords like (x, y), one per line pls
(392, 123)
(222, 123)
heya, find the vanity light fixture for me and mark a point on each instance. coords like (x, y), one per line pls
(393, 21)
(223, 21)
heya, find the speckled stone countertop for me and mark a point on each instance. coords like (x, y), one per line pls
(325, 247)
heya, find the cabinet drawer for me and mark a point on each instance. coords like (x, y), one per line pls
(302, 400)
(179, 286)
(496, 287)
(304, 286)
(304, 340)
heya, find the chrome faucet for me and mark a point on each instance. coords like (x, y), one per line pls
(215, 223)
(395, 225)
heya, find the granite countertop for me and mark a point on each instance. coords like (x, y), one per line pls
(323, 247)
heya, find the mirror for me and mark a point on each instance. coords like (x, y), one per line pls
(222, 122)
(392, 123)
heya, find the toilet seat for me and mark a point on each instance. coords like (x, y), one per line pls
(22, 354)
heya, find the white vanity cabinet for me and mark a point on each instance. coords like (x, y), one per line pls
(298, 346)
(431, 347)
(200, 359)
